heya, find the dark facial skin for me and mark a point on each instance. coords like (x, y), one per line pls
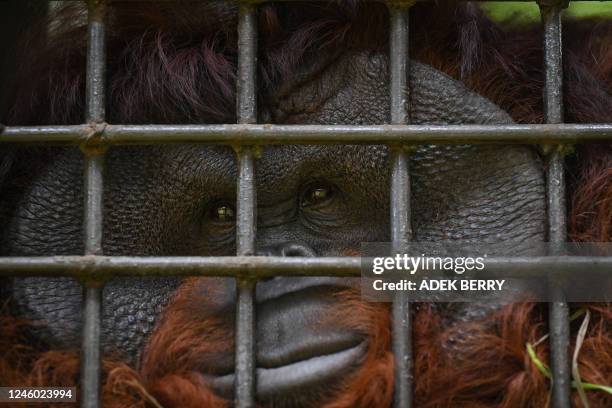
(312, 201)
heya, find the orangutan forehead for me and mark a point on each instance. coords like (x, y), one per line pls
(353, 89)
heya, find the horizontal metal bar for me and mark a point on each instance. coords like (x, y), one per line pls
(308, 134)
(257, 267)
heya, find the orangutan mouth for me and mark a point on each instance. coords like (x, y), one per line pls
(307, 373)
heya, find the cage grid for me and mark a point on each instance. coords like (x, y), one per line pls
(93, 269)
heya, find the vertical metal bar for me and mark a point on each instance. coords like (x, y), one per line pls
(553, 87)
(401, 230)
(558, 309)
(245, 308)
(93, 187)
(94, 167)
(398, 65)
(246, 108)
(557, 232)
(401, 313)
(245, 345)
(90, 348)
(247, 64)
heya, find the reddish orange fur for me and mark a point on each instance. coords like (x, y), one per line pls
(495, 371)
(492, 371)
(169, 373)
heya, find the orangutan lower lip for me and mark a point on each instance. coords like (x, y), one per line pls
(278, 286)
(303, 374)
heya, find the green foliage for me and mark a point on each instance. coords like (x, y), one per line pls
(524, 12)
(577, 381)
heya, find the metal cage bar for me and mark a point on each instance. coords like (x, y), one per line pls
(253, 134)
(93, 188)
(259, 267)
(401, 230)
(246, 108)
(553, 112)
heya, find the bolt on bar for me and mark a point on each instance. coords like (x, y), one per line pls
(246, 108)
(401, 230)
(93, 187)
(553, 111)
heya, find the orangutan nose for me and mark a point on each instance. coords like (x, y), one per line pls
(287, 249)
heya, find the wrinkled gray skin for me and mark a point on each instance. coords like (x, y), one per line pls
(158, 201)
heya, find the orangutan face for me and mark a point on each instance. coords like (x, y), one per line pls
(312, 201)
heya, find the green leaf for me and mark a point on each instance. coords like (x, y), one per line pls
(538, 363)
(595, 387)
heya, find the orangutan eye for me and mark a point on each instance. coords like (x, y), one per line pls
(222, 213)
(316, 195)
